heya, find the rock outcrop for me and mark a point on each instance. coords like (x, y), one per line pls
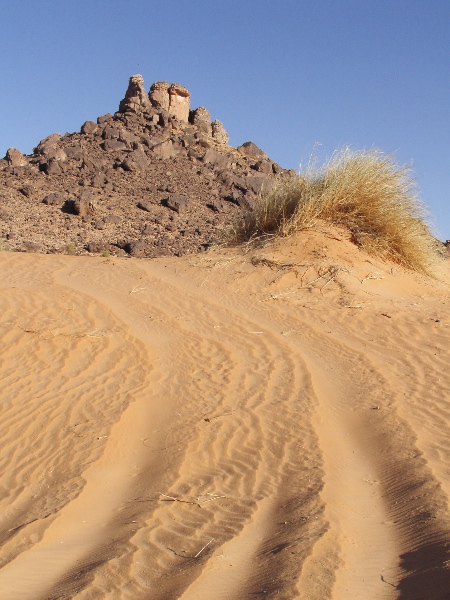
(218, 132)
(173, 98)
(159, 95)
(15, 158)
(136, 98)
(153, 179)
(179, 99)
(201, 118)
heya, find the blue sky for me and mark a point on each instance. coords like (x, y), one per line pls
(289, 75)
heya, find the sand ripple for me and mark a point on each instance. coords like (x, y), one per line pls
(212, 428)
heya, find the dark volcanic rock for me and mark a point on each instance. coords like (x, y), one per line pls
(144, 182)
(139, 248)
(137, 161)
(259, 184)
(51, 167)
(251, 150)
(26, 190)
(74, 152)
(177, 202)
(145, 206)
(104, 118)
(89, 127)
(263, 166)
(216, 159)
(114, 144)
(55, 199)
(95, 247)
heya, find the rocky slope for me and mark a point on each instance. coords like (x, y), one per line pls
(155, 178)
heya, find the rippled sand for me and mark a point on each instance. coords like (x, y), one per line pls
(269, 424)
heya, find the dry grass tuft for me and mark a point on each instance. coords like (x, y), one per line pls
(364, 191)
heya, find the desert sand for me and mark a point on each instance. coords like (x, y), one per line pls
(269, 422)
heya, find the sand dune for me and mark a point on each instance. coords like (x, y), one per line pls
(268, 424)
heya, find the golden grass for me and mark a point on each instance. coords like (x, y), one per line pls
(367, 192)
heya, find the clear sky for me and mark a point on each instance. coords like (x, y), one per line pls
(289, 75)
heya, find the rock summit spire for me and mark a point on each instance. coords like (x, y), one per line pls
(136, 98)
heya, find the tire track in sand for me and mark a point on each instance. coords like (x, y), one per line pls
(411, 557)
(405, 498)
(80, 398)
(246, 426)
(238, 450)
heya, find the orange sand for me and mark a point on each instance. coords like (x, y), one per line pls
(269, 424)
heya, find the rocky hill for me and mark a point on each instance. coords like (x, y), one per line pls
(154, 179)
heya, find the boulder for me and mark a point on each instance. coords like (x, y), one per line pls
(74, 152)
(52, 138)
(251, 150)
(276, 168)
(230, 179)
(216, 205)
(51, 167)
(216, 159)
(104, 118)
(166, 149)
(150, 140)
(218, 132)
(203, 140)
(48, 144)
(97, 247)
(196, 152)
(89, 127)
(127, 136)
(179, 98)
(159, 95)
(26, 190)
(263, 166)
(232, 196)
(145, 206)
(55, 199)
(114, 145)
(111, 133)
(137, 161)
(148, 229)
(136, 98)
(91, 164)
(15, 158)
(139, 248)
(188, 140)
(177, 202)
(55, 153)
(259, 184)
(84, 205)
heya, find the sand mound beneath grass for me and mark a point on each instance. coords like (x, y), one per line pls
(269, 424)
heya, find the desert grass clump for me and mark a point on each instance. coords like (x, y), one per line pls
(70, 249)
(367, 192)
